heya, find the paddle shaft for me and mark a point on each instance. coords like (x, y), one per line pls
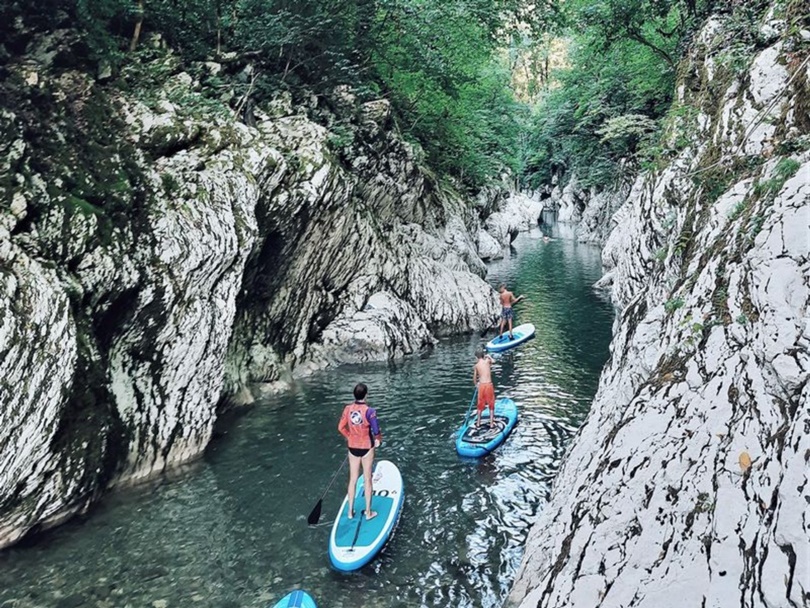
(472, 402)
(315, 515)
(340, 468)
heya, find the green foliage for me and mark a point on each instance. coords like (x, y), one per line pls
(604, 108)
(626, 128)
(683, 242)
(170, 184)
(755, 226)
(441, 63)
(615, 91)
(673, 304)
(318, 42)
(738, 210)
(715, 181)
(783, 171)
(341, 135)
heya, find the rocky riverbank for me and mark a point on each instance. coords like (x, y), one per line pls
(161, 258)
(688, 485)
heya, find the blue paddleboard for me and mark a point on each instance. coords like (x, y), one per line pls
(354, 542)
(296, 599)
(479, 442)
(520, 334)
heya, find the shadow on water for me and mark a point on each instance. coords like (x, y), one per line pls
(234, 533)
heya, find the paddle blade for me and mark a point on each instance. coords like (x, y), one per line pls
(487, 330)
(315, 516)
(495, 324)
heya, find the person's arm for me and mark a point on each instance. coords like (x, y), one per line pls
(475, 374)
(371, 417)
(490, 359)
(515, 300)
(343, 425)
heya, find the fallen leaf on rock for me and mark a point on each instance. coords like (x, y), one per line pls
(745, 461)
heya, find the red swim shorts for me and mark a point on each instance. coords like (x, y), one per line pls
(486, 396)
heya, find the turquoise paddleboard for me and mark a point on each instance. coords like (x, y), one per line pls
(354, 542)
(520, 334)
(296, 599)
(478, 442)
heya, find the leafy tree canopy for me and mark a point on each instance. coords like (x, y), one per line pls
(472, 81)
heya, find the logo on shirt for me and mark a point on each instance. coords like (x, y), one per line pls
(356, 418)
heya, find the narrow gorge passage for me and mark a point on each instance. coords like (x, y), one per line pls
(232, 531)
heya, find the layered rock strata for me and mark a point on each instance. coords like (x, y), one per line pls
(590, 211)
(689, 483)
(157, 256)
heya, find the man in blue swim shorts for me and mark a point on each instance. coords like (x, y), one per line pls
(508, 299)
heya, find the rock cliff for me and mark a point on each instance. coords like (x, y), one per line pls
(689, 483)
(590, 211)
(159, 257)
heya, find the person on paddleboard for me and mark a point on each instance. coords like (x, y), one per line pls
(507, 300)
(482, 378)
(359, 426)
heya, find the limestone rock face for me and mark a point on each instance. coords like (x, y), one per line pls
(571, 202)
(689, 483)
(488, 247)
(589, 213)
(383, 230)
(157, 261)
(596, 222)
(517, 213)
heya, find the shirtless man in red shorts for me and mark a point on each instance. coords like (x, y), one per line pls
(482, 377)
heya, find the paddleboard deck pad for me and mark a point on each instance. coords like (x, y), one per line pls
(485, 433)
(479, 442)
(354, 542)
(520, 334)
(296, 599)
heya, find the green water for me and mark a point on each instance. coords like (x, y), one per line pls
(231, 530)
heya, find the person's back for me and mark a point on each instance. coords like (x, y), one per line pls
(359, 425)
(484, 369)
(482, 378)
(506, 298)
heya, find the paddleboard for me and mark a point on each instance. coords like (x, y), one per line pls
(354, 542)
(479, 442)
(520, 334)
(296, 599)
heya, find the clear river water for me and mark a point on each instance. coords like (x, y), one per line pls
(231, 531)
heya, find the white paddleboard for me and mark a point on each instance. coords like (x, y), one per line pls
(354, 542)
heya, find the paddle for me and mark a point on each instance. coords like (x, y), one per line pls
(486, 330)
(472, 402)
(315, 515)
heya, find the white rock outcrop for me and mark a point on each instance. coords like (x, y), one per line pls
(518, 213)
(570, 201)
(689, 483)
(589, 211)
(190, 258)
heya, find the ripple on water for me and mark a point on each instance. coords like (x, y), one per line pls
(233, 532)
